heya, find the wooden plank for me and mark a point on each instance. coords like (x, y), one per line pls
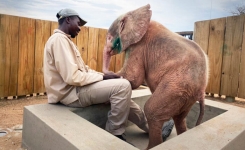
(54, 25)
(241, 91)
(232, 56)
(119, 61)
(201, 34)
(102, 41)
(2, 53)
(12, 55)
(8, 55)
(42, 35)
(215, 51)
(26, 56)
(93, 48)
(201, 37)
(82, 43)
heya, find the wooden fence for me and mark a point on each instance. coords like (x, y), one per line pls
(223, 40)
(22, 43)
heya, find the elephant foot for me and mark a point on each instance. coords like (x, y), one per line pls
(167, 129)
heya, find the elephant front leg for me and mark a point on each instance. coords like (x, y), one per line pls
(161, 107)
(156, 115)
(155, 134)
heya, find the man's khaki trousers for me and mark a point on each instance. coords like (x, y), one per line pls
(118, 93)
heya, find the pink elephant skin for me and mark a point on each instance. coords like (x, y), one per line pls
(174, 68)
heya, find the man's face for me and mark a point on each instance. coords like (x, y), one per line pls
(74, 26)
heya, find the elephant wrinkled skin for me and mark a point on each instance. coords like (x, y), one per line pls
(174, 68)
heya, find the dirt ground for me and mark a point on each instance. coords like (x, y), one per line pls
(11, 117)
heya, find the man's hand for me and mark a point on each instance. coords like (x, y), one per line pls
(110, 76)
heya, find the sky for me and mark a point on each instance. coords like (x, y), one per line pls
(176, 15)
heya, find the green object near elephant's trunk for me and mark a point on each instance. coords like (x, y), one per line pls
(117, 46)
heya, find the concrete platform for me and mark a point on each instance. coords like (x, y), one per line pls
(57, 127)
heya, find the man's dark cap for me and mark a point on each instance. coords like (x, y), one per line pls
(70, 12)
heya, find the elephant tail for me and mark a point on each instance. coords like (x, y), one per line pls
(202, 107)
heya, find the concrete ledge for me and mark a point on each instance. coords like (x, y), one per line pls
(222, 132)
(57, 127)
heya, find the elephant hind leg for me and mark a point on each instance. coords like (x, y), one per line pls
(180, 122)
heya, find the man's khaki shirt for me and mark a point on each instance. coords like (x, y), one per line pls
(64, 69)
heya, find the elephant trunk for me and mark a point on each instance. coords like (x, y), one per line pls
(106, 60)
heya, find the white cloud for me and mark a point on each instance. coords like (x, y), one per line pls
(177, 15)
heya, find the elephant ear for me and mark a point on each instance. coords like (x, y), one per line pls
(133, 26)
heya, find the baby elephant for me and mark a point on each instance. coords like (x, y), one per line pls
(174, 68)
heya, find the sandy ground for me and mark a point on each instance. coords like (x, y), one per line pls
(11, 117)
